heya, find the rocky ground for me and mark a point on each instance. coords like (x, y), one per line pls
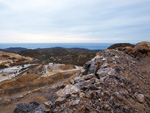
(114, 81)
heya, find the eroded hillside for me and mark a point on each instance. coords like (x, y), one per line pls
(115, 81)
(10, 59)
(35, 86)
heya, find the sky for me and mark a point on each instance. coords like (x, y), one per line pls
(74, 21)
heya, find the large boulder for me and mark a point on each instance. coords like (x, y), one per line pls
(143, 47)
(69, 89)
(32, 107)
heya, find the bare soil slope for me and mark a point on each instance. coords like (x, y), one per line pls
(10, 59)
(31, 87)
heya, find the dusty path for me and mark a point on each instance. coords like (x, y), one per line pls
(60, 70)
(12, 72)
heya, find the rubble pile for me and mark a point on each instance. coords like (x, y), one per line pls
(106, 85)
(110, 83)
(31, 107)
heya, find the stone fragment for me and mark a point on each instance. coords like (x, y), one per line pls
(48, 104)
(59, 101)
(47, 110)
(102, 94)
(68, 96)
(82, 95)
(87, 64)
(117, 105)
(60, 93)
(69, 89)
(89, 76)
(104, 59)
(93, 94)
(86, 83)
(126, 109)
(81, 110)
(72, 81)
(107, 93)
(111, 72)
(88, 96)
(74, 95)
(78, 79)
(105, 65)
(92, 87)
(74, 102)
(118, 95)
(139, 97)
(103, 71)
(106, 107)
(82, 70)
(102, 79)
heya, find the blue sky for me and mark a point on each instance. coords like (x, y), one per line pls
(72, 21)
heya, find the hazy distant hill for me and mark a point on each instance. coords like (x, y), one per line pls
(14, 49)
(120, 45)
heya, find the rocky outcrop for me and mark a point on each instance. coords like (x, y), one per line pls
(143, 47)
(110, 83)
(140, 49)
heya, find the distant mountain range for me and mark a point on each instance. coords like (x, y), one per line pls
(75, 56)
(14, 49)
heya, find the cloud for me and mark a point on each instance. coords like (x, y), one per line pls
(74, 20)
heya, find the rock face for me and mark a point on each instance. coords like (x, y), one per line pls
(143, 47)
(110, 83)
